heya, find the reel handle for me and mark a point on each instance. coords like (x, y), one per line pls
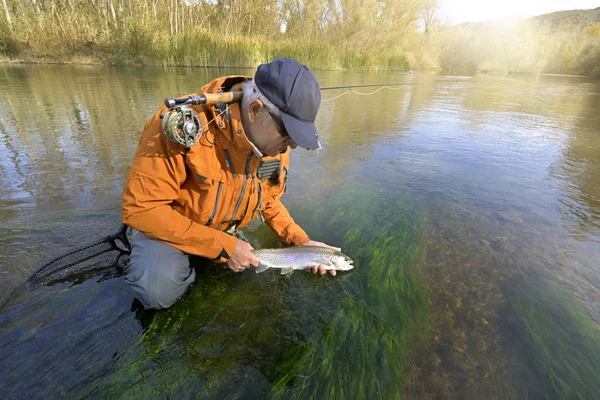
(205, 98)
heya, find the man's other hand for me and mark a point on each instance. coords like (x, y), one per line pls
(320, 268)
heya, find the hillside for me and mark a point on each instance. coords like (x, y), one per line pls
(565, 42)
(569, 20)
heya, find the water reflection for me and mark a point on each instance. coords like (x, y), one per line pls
(581, 160)
(578, 179)
(67, 138)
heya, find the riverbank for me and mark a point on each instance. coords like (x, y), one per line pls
(202, 49)
(87, 60)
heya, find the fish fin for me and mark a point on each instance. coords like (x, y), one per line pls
(287, 270)
(262, 268)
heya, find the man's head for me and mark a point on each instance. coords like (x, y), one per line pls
(280, 105)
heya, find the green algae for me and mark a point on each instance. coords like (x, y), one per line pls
(562, 341)
(303, 336)
(363, 350)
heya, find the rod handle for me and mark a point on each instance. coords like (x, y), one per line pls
(205, 98)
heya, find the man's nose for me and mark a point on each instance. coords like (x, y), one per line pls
(291, 143)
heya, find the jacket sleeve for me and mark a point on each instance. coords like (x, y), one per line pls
(278, 218)
(156, 175)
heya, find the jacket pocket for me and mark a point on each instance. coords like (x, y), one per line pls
(203, 199)
(220, 209)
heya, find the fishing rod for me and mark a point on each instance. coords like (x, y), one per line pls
(234, 97)
(181, 125)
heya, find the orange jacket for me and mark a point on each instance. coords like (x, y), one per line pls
(188, 197)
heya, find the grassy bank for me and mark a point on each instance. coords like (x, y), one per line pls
(140, 46)
(135, 34)
(321, 34)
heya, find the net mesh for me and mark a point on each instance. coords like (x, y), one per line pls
(109, 255)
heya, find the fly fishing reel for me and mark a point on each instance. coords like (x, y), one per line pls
(181, 124)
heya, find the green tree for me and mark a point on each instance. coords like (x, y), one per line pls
(589, 58)
(7, 13)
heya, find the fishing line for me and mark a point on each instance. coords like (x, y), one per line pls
(351, 90)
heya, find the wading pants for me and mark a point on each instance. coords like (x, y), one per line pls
(157, 273)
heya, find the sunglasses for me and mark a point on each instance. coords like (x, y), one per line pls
(280, 125)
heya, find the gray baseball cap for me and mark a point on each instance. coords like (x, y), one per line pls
(293, 89)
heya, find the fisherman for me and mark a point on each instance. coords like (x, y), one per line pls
(183, 201)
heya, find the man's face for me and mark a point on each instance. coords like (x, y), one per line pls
(267, 135)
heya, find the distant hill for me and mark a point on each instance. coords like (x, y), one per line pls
(558, 21)
(567, 20)
(562, 42)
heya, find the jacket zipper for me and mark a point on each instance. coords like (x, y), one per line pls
(259, 204)
(239, 202)
(214, 211)
(230, 163)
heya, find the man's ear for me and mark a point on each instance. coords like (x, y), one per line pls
(254, 109)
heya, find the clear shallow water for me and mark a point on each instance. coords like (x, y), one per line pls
(471, 204)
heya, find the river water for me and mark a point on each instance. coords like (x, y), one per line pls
(470, 204)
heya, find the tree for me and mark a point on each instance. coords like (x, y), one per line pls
(589, 58)
(429, 15)
(7, 13)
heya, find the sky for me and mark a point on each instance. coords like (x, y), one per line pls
(459, 11)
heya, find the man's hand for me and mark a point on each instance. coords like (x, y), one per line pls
(242, 257)
(320, 268)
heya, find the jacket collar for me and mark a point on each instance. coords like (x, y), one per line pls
(232, 117)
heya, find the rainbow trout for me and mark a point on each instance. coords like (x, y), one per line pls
(300, 257)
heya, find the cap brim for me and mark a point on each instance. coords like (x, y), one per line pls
(304, 134)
